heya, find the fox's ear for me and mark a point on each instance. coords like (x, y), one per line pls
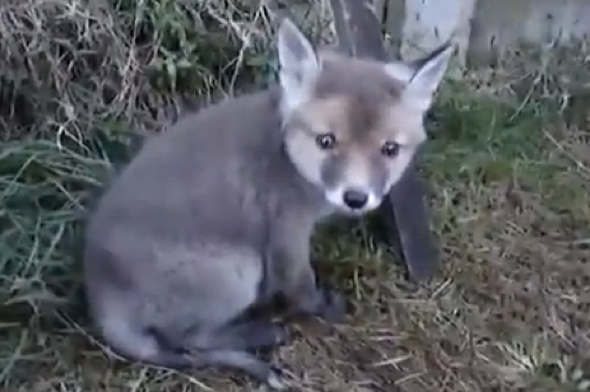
(423, 76)
(299, 66)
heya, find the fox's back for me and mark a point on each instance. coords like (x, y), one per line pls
(203, 174)
(187, 215)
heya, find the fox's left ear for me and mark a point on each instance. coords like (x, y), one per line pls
(423, 76)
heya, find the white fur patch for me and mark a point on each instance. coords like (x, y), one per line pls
(336, 198)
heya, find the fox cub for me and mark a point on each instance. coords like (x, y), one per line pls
(214, 215)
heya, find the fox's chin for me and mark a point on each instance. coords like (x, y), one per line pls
(354, 212)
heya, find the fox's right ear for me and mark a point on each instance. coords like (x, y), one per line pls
(299, 66)
(423, 76)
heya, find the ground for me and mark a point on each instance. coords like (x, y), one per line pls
(506, 312)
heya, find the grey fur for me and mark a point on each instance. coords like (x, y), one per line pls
(177, 243)
(214, 215)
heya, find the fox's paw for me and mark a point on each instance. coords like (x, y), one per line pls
(275, 381)
(334, 307)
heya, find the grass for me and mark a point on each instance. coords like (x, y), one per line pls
(508, 189)
(507, 312)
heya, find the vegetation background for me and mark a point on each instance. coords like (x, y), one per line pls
(81, 81)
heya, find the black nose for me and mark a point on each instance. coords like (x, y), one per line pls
(355, 199)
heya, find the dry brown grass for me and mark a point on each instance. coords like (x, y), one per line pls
(507, 313)
(508, 166)
(74, 68)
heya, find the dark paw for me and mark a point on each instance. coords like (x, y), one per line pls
(334, 307)
(264, 334)
(281, 334)
(275, 380)
(280, 337)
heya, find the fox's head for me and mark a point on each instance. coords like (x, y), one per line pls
(352, 126)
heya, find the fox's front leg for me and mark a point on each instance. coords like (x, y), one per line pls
(291, 275)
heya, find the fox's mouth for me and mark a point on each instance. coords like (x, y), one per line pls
(352, 212)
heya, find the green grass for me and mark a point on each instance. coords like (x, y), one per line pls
(508, 310)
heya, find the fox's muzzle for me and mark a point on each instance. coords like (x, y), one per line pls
(354, 184)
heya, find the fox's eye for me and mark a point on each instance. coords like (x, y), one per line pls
(390, 149)
(326, 141)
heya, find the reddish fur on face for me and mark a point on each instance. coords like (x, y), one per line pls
(359, 103)
(363, 107)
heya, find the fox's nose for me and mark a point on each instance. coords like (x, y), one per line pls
(355, 199)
